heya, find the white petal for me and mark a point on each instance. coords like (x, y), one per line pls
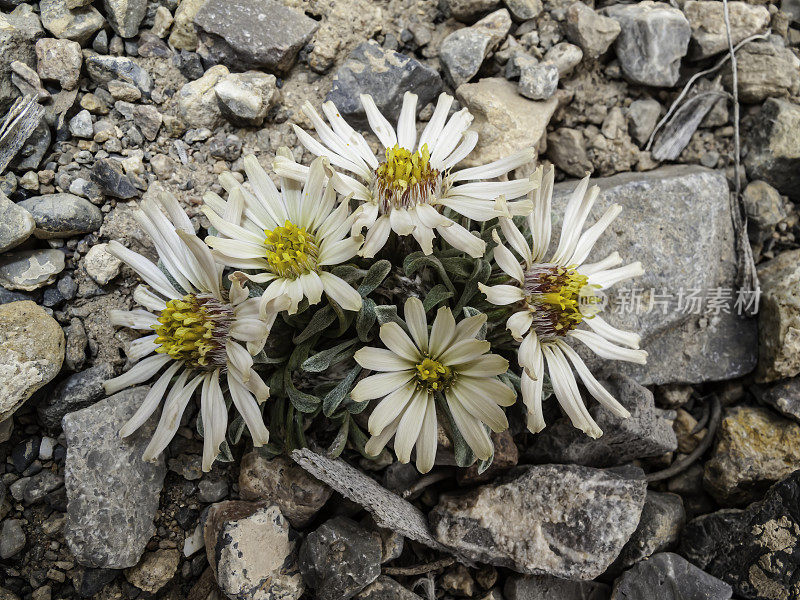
(248, 408)
(134, 319)
(515, 239)
(376, 237)
(401, 221)
(479, 406)
(378, 123)
(612, 260)
(502, 294)
(390, 408)
(605, 279)
(396, 340)
(139, 373)
(450, 136)
(489, 365)
(312, 286)
(506, 261)
(460, 238)
(377, 443)
(141, 347)
(148, 406)
(566, 390)
(471, 428)
(463, 351)
(410, 425)
(540, 221)
(532, 397)
(605, 349)
(601, 394)
(590, 236)
(469, 327)
(144, 268)
(148, 299)
(442, 331)
(468, 142)
(340, 291)
(433, 129)
(497, 167)
(378, 386)
(427, 441)
(406, 124)
(612, 334)
(574, 218)
(520, 323)
(380, 359)
(238, 357)
(490, 388)
(176, 403)
(417, 322)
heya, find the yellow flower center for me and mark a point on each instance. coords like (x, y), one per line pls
(434, 375)
(291, 250)
(195, 329)
(560, 298)
(405, 178)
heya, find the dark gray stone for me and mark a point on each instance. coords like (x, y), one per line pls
(562, 520)
(80, 126)
(77, 24)
(253, 33)
(654, 37)
(783, 396)
(24, 453)
(663, 519)
(77, 391)
(112, 494)
(386, 588)
(642, 118)
(541, 587)
(103, 69)
(646, 433)
(12, 538)
(124, 16)
(755, 550)
(385, 75)
(109, 175)
(32, 152)
(339, 559)
(538, 81)
(773, 146)
(677, 222)
(668, 576)
(62, 215)
(40, 485)
(148, 120)
(462, 53)
(764, 207)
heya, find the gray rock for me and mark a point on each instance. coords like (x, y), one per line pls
(539, 587)
(212, 490)
(80, 126)
(77, 24)
(462, 52)
(754, 550)
(108, 174)
(77, 391)
(246, 98)
(112, 494)
(469, 10)
(667, 576)
(19, 31)
(663, 519)
(765, 70)
(783, 396)
(773, 149)
(12, 538)
(155, 571)
(779, 318)
(646, 433)
(654, 37)
(675, 220)
(566, 148)
(764, 209)
(31, 154)
(280, 481)
(40, 485)
(253, 33)
(197, 102)
(386, 588)
(642, 118)
(124, 16)
(339, 559)
(565, 57)
(594, 33)
(148, 120)
(31, 352)
(101, 265)
(29, 270)
(16, 224)
(28, 82)
(252, 552)
(561, 520)
(707, 21)
(754, 449)
(385, 75)
(59, 60)
(62, 215)
(103, 69)
(538, 81)
(523, 10)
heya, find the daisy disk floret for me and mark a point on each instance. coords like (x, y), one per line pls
(287, 239)
(557, 301)
(407, 186)
(199, 334)
(417, 366)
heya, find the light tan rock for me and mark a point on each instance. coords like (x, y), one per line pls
(197, 102)
(779, 318)
(184, 35)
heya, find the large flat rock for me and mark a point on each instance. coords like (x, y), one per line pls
(676, 220)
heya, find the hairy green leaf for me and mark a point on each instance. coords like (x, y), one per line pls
(327, 358)
(437, 294)
(374, 277)
(334, 398)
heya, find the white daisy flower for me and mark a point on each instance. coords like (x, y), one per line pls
(200, 333)
(407, 186)
(290, 237)
(553, 297)
(449, 361)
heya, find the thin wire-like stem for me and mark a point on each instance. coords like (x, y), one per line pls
(735, 76)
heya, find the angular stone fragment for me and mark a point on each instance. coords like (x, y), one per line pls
(184, 34)
(505, 121)
(31, 353)
(77, 391)
(654, 37)
(62, 215)
(592, 32)
(783, 396)
(59, 60)
(755, 448)
(541, 587)
(706, 18)
(252, 551)
(676, 221)
(463, 51)
(254, 33)
(663, 519)
(246, 98)
(77, 24)
(19, 31)
(668, 576)
(197, 102)
(281, 482)
(124, 16)
(765, 70)
(108, 174)
(28, 270)
(755, 550)
(779, 318)
(646, 433)
(386, 588)
(104, 69)
(385, 75)
(561, 520)
(773, 146)
(112, 494)
(16, 224)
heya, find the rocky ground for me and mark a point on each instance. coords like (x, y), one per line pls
(696, 496)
